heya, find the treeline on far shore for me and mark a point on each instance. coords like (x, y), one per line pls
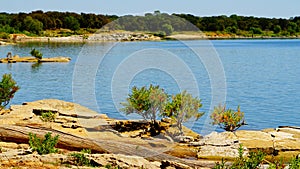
(53, 23)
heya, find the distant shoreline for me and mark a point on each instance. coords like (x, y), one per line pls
(126, 36)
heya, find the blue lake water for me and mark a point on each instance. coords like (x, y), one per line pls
(262, 76)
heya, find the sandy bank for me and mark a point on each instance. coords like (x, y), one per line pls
(97, 37)
(17, 59)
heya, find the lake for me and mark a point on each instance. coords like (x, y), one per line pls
(262, 76)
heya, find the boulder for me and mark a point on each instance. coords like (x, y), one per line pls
(218, 146)
(256, 140)
(272, 141)
(184, 139)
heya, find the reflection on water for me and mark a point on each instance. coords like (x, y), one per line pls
(35, 67)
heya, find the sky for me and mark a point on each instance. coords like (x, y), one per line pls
(259, 8)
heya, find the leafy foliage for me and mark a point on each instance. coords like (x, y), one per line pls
(256, 30)
(182, 108)
(8, 88)
(72, 23)
(277, 29)
(32, 25)
(228, 119)
(38, 21)
(168, 29)
(45, 146)
(81, 159)
(36, 53)
(48, 116)
(147, 102)
(295, 163)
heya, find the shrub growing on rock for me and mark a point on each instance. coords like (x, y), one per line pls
(147, 102)
(8, 88)
(36, 53)
(45, 146)
(48, 116)
(295, 163)
(228, 119)
(183, 107)
(80, 158)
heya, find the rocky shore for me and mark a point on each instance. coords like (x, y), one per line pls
(125, 143)
(96, 37)
(125, 36)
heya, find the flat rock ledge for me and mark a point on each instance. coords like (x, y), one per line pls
(127, 143)
(280, 142)
(17, 59)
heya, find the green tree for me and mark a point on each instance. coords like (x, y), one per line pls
(182, 108)
(256, 30)
(72, 23)
(32, 25)
(228, 119)
(8, 88)
(37, 54)
(277, 29)
(292, 28)
(168, 29)
(232, 29)
(147, 102)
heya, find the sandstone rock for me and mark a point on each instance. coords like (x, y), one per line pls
(171, 164)
(166, 120)
(184, 139)
(123, 161)
(219, 145)
(71, 125)
(256, 140)
(33, 59)
(9, 145)
(271, 141)
(53, 158)
(220, 139)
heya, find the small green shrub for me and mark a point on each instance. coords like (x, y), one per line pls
(45, 146)
(86, 151)
(81, 159)
(48, 116)
(228, 119)
(294, 163)
(8, 88)
(36, 53)
(221, 165)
